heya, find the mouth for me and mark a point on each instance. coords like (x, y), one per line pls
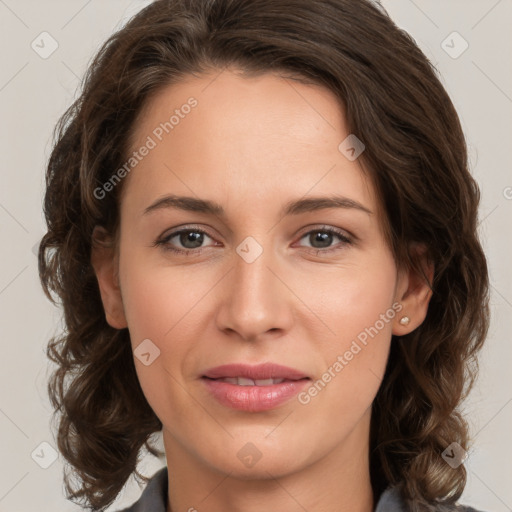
(243, 381)
(244, 373)
(254, 388)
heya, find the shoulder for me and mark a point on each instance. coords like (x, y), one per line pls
(154, 496)
(391, 501)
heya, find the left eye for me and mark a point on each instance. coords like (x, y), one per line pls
(322, 238)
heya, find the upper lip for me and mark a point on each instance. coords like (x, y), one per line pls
(259, 371)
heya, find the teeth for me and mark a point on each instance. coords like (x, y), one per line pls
(243, 381)
(264, 382)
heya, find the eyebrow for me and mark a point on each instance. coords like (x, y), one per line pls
(310, 204)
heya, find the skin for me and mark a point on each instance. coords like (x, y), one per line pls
(252, 145)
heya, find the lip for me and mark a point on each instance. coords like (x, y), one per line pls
(259, 371)
(254, 398)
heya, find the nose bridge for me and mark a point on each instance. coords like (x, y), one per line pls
(256, 301)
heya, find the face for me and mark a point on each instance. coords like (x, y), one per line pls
(269, 276)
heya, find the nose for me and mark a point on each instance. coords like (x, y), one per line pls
(256, 302)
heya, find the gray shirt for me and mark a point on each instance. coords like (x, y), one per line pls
(154, 498)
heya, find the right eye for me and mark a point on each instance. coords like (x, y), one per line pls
(190, 239)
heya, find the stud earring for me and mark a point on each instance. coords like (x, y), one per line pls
(405, 320)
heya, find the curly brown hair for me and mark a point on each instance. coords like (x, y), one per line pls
(417, 157)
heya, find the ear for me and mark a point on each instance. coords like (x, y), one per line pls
(105, 263)
(413, 292)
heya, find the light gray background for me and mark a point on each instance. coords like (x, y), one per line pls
(34, 92)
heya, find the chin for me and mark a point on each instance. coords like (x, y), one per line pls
(256, 457)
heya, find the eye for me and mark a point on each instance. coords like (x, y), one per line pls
(188, 240)
(321, 239)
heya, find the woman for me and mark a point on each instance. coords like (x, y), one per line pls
(262, 228)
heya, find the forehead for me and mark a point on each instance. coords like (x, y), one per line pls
(248, 141)
(261, 106)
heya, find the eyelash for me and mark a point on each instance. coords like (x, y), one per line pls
(164, 242)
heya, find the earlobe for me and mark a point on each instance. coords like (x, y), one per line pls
(105, 264)
(414, 291)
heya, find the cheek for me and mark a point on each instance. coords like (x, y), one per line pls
(357, 309)
(348, 300)
(165, 305)
(158, 300)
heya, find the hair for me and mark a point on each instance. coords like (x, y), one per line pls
(416, 156)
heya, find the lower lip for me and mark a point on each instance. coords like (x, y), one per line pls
(254, 398)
